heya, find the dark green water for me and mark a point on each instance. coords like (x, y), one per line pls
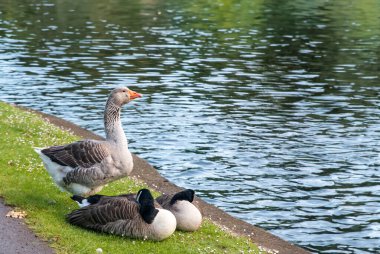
(268, 109)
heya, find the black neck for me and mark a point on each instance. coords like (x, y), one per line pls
(148, 212)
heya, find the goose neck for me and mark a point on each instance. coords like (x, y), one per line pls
(112, 123)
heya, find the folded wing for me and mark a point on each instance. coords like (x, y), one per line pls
(82, 154)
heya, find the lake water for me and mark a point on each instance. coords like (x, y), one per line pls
(268, 109)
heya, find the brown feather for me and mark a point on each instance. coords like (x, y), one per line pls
(83, 154)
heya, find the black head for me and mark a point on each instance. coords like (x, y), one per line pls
(147, 210)
(187, 195)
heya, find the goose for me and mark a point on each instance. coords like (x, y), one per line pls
(84, 167)
(120, 216)
(188, 216)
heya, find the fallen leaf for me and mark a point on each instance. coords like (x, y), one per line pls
(16, 214)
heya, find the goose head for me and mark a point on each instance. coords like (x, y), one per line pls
(187, 195)
(188, 216)
(123, 95)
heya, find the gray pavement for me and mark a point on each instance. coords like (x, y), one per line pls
(17, 238)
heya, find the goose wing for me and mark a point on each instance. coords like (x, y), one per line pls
(97, 216)
(84, 154)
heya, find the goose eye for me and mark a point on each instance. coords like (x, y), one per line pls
(124, 91)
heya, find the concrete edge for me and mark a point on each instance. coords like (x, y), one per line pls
(146, 173)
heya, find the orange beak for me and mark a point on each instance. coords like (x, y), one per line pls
(133, 95)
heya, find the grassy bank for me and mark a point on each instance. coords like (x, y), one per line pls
(26, 185)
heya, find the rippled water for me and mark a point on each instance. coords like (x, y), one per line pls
(269, 109)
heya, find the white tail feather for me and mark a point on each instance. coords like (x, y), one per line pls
(58, 172)
(54, 169)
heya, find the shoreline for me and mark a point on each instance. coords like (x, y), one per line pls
(146, 173)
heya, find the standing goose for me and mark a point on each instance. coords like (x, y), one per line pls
(83, 167)
(121, 216)
(188, 216)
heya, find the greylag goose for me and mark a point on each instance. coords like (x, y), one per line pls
(83, 167)
(188, 216)
(120, 216)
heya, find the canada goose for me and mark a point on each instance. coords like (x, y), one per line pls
(120, 216)
(83, 167)
(188, 216)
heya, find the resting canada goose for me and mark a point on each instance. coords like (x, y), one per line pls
(188, 216)
(120, 216)
(85, 166)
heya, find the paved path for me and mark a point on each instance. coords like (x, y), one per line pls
(17, 238)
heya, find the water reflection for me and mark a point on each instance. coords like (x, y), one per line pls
(269, 109)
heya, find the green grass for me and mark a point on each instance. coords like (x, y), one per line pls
(26, 185)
